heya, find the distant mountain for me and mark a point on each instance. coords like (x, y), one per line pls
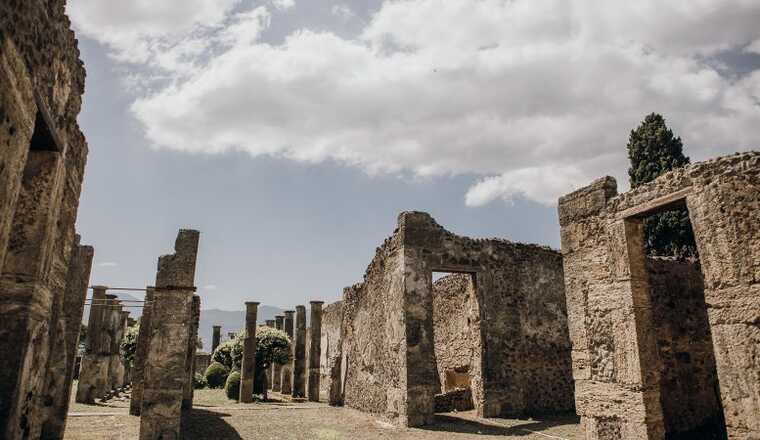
(231, 321)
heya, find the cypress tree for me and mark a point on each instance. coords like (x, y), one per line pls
(653, 150)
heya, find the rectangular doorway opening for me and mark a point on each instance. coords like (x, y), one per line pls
(661, 244)
(456, 335)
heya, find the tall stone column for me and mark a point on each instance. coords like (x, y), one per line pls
(299, 354)
(315, 350)
(165, 373)
(77, 281)
(216, 339)
(277, 368)
(248, 367)
(270, 370)
(91, 366)
(141, 353)
(187, 400)
(286, 386)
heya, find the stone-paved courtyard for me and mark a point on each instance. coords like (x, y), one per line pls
(215, 417)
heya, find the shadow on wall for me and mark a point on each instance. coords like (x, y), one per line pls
(198, 423)
(448, 423)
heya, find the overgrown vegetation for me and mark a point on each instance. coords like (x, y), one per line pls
(128, 346)
(232, 387)
(216, 375)
(653, 150)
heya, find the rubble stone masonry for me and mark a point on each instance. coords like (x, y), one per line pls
(42, 159)
(629, 327)
(388, 341)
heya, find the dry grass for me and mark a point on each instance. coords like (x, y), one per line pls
(218, 418)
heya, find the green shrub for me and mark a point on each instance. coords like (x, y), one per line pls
(232, 387)
(128, 345)
(199, 381)
(216, 375)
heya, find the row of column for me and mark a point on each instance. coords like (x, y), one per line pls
(292, 377)
(102, 368)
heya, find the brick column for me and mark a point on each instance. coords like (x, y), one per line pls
(138, 373)
(217, 338)
(165, 373)
(286, 386)
(299, 354)
(248, 367)
(315, 352)
(277, 368)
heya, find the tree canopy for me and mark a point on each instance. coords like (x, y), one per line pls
(653, 150)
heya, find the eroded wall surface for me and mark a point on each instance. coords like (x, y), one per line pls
(524, 362)
(456, 328)
(42, 159)
(332, 319)
(612, 317)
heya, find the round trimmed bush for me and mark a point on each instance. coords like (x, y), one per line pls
(232, 387)
(199, 381)
(216, 375)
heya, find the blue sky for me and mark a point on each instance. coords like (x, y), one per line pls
(292, 133)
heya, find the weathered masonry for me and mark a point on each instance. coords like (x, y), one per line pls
(650, 336)
(172, 325)
(517, 351)
(42, 160)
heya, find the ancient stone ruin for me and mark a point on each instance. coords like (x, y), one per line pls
(102, 368)
(662, 347)
(512, 352)
(42, 158)
(172, 325)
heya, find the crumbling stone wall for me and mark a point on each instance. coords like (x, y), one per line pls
(332, 319)
(456, 331)
(613, 319)
(42, 159)
(388, 338)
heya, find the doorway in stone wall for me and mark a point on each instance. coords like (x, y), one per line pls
(689, 390)
(456, 335)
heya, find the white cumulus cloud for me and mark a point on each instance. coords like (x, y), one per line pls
(535, 96)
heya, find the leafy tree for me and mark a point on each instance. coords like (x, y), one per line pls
(653, 150)
(272, 346)
(128, 346)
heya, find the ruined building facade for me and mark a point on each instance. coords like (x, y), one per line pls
(42, 160)
(663, 348)
(513, 354)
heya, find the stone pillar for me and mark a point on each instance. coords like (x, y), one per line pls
(187, 400)
(286, 386)
(248, 367)
(270, 370)
(77, 281)
(91, 369)
(299, 354)
(141, 353)
(277, 368)
(216, 339)
(165, 373)
(315, 352)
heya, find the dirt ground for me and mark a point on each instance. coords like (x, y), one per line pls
(215, 417)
